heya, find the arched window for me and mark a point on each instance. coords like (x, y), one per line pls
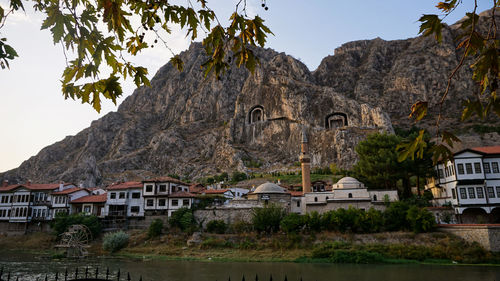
(350, 195)
(315, 199)
(375, 197)
(256, 114)
(336, 120)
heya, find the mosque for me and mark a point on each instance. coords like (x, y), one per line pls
(345, 193)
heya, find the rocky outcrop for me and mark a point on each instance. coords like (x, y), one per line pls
(192, 126)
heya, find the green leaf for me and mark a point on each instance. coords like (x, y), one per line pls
(431, 24)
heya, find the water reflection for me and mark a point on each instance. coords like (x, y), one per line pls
(32, 268)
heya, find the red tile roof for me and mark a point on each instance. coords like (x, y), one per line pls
(182, 194)
(214, 191)
(166, 179)
(32, 186)
(68, 191)
(196, 188)
(91, 199)
(296, 193)
(488, 149)
(125, 185)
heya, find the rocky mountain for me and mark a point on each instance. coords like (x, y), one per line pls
(192, 126)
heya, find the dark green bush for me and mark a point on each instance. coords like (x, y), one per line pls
(420, 220)
(241, 227)
(63, 221)
(267, 219)
(183, 219)
(313, 221)
(113, 242)
(395, 216)
(292, 223)
(155, 228)
(216, 226)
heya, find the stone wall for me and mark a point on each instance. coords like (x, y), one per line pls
(487, 235)
(10, 228)
(228, 215)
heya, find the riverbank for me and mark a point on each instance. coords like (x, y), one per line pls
(329, 247)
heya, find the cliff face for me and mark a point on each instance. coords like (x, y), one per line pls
(192, 126)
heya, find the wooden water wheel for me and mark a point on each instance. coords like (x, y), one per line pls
(76, 241)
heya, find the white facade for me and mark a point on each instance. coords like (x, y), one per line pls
(239, 192)
(157, 193)
(470, 182)
(127, 202)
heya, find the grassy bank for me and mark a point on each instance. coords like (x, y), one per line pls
(326, 247)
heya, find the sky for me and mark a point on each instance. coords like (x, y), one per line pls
(34, 114)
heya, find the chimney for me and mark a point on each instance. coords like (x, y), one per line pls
(61, 185)
(28, 182)
(5, 183)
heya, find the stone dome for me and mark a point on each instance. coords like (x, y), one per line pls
(269, 187)
(348, 182)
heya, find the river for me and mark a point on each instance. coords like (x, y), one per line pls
(31, 268)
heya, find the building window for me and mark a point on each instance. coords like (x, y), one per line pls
(487, 168)
(350, 195)
(136, 195)
(185, 202)
(453, 193)
(134, 209)
(494, 167)
(468, 168)
(460, 168)
(122, 195)
(112, 195)
(149, 188)
(477, 168)
(498, 191)
(87, 209)
(163, 188)
(491, 192)
(150, 203)
(298, 204)
(472, 194)
(175, 202)
(452, 168)
(440, 173)
(161, 202)
(315, 199)
(480, 193)
(463, 193)
(375, 197)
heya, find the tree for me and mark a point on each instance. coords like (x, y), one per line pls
(481, 48)
(97, 35)
(378, 161)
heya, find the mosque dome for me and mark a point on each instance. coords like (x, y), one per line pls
(269, 188)
(348, 182)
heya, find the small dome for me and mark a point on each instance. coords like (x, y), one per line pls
(348, 182)
(269, 188)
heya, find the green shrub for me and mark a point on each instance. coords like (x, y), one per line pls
(292, 223)
(215, 243)
(395, 216)
(238, 176)
(63, 221)
(313, 221)
(267, 219)
(183, 219)
(359, 257)
(216, 226)
(241, 227)
(420, 219)
(155, 228)
(113, 242)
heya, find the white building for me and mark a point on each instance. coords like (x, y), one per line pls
(158, 194)
(345, 193)
(470, 184)
(27, 202)
(90, 205)
(61, 199)
(239, 192)
(124, 199)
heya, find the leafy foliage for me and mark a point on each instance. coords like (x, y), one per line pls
(113, 242)
(183, 219)
(480, 47)
(292, 223)
(217, 226)
(96, 35)
(155, 228)
(268, 218)
(63, 221)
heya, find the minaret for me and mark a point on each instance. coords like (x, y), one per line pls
(305, 163)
